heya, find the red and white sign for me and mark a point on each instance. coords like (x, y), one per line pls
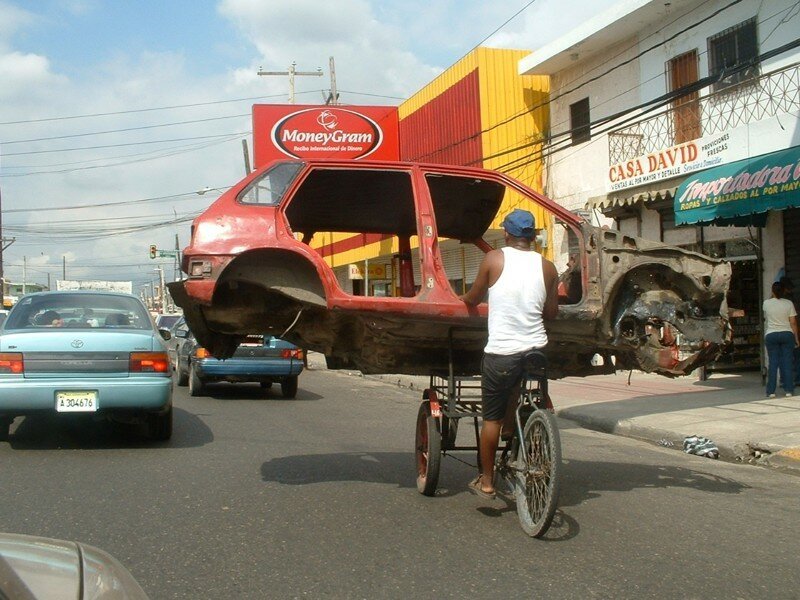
(666, 163)
(350, 133)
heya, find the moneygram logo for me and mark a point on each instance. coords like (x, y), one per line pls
(327, 133)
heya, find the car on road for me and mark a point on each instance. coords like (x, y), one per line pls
(89, 353)
(33, 567)
(259, 358)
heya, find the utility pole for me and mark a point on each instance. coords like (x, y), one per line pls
(4, 243)
(292, 72)
(24, 274)
(177, 259)
(333, 97)
(161, 291)
(64, 267)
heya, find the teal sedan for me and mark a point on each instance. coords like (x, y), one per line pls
(96, 354)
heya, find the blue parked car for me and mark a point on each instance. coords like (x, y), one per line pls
(85, 352)
(262, 358)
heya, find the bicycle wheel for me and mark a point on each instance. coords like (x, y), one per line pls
(538, 480)
(428, 450)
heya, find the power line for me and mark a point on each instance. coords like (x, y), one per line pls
(141, 110)
(199, 137)
(183, 196)
(127, 129)
(157, 154)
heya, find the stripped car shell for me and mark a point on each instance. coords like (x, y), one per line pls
(637, 304)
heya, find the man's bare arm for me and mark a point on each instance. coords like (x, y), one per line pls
(480, 287)
(550, 310)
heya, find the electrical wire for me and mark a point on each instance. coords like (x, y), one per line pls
(199, 137)
(127, 129)
(141, 110)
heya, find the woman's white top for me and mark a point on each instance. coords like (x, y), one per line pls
(516, 302)
(776, 315)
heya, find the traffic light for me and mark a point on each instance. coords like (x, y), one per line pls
(153, 250)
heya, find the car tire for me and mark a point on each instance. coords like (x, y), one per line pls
(289, 387)
(183, 376)
(196, 385)
(5, 424)
(159, 426)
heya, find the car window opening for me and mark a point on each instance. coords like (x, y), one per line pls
(335, 210)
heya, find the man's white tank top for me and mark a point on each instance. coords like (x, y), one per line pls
(516, 301)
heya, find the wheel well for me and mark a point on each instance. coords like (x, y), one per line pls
(279, 271)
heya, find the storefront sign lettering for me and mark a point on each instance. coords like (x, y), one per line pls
(674, 161)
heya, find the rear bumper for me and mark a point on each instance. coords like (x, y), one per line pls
(152, 394)
(244, 369)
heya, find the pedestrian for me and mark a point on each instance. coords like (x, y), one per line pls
(523, 291)
(788, 285)
(781, 339)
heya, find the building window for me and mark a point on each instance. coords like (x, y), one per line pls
(579, 121)
(731, 48)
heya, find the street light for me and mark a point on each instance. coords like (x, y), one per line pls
(206, 189)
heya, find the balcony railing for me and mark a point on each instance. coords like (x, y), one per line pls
(752, 100)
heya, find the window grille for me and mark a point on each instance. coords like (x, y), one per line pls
(731, 48)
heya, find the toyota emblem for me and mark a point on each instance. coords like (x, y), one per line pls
(77, 343)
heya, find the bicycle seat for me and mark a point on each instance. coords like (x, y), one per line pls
(534, 363)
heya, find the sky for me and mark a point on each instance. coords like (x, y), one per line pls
(127, 109)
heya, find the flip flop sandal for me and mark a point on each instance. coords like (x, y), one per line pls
(474, 486)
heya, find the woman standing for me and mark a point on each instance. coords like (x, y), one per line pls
(781, 338)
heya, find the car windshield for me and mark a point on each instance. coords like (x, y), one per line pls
(82, 311)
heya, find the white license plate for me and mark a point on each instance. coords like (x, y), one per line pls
(76, 401)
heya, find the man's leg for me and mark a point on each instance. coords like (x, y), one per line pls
(490, 439)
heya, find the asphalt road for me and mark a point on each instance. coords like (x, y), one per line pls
(260, 497)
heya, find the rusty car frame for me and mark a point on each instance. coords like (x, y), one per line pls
(253, 266)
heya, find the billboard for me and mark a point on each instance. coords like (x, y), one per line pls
(313, 131)
(125, 287)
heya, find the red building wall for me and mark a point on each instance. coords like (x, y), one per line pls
(447, 129)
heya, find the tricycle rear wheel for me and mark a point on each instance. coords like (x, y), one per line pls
(538, 480)
(428, 450)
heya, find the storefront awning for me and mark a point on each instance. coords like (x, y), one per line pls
(605, 203)
(740, 193)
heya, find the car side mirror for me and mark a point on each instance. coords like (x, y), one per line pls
(165, 334)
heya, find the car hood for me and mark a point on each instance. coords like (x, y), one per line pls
(84, 340)
(37, 568)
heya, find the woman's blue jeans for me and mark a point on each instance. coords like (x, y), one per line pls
(780, 350)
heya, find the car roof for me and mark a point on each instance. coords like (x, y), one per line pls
(83, 292)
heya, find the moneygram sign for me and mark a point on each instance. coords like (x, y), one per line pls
(350, 133)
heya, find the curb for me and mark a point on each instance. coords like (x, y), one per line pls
(786, 460)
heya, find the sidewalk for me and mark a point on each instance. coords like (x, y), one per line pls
(731, 410)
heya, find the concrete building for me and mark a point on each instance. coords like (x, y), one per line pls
(678, 121)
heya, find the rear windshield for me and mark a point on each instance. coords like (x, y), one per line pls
(79, 311)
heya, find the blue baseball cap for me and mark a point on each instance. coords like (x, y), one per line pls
(519, 223)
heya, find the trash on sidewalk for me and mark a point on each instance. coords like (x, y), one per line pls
(700, 446)
(665, 442)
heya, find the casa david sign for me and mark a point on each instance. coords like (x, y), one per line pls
(675, 161)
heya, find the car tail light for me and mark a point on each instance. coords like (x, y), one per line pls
(148, 362)
(202, 353)
(296, 353)
(11, 362)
